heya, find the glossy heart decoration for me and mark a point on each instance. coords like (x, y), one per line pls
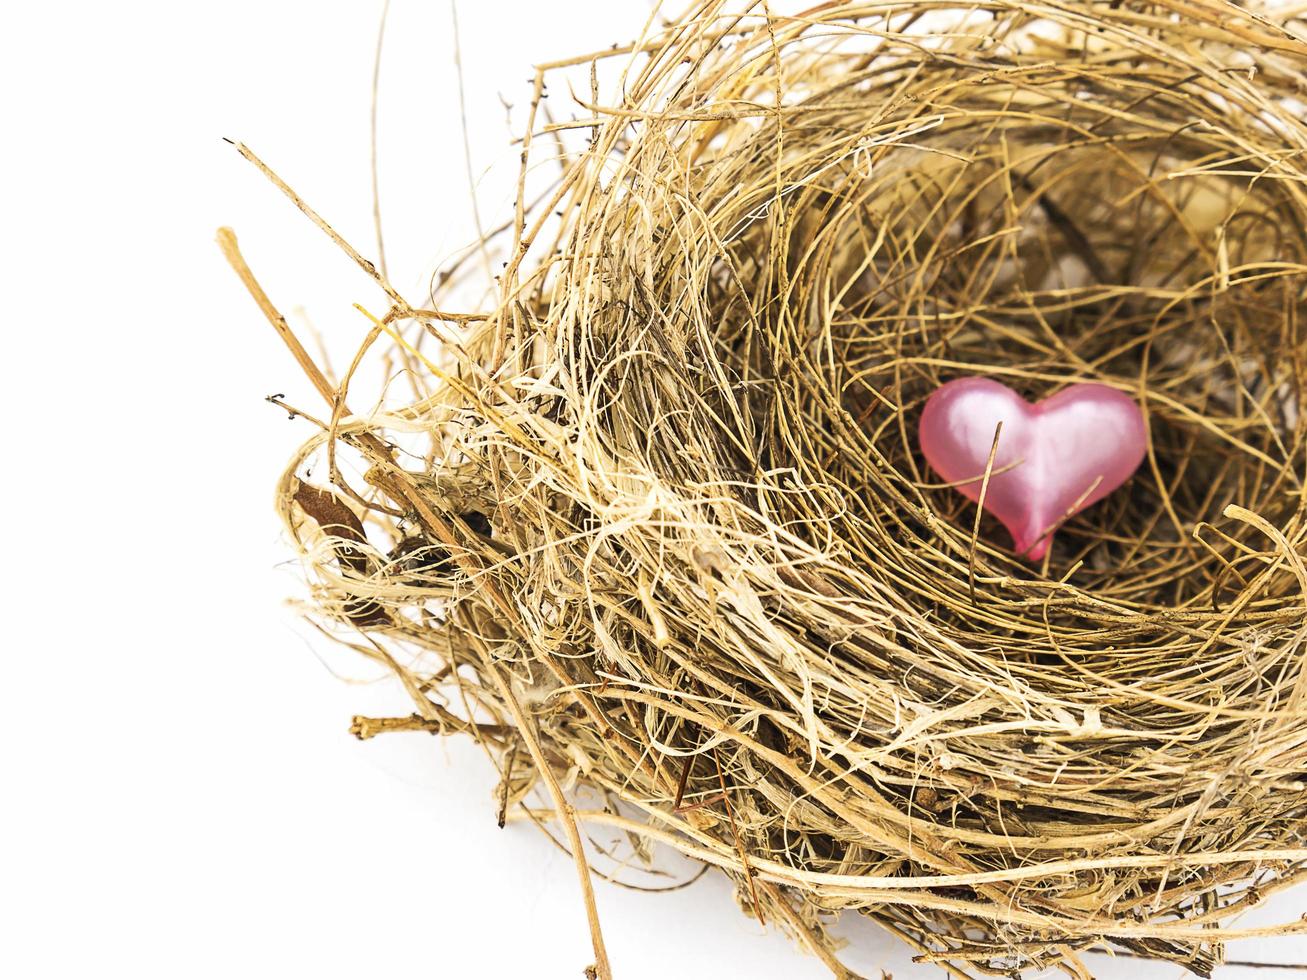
(1070, 450)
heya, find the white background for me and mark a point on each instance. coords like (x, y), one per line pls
(180, 796)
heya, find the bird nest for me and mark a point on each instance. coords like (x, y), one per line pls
(655, 529)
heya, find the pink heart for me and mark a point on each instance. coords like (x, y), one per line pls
(1071, 450)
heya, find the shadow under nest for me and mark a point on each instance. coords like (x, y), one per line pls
(680, 544)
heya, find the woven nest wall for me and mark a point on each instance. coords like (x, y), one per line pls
(657, 532)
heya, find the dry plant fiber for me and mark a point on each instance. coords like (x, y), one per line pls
(651, 525)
